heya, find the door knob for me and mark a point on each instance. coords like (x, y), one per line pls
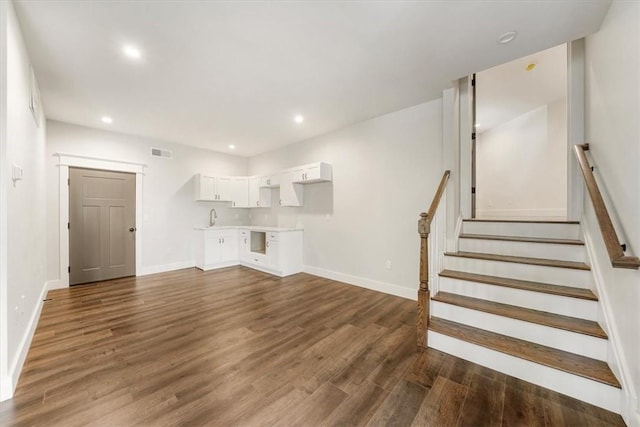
(132, 229)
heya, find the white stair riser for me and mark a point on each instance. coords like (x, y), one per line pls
(566, 306)
(525, 249)
(592, 392)
(517, 229)
(585, 345)
(514, 270)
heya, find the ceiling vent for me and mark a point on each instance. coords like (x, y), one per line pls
(165, 154)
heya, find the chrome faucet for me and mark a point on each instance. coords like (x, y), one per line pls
(212, 217)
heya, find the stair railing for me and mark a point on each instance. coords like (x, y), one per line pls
(424, 228)
(614, 248)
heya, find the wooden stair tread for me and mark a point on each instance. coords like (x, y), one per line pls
(523, 239)
(524, 221)
(547, 288)
(572, 324)
(575, 364)
(522, 260)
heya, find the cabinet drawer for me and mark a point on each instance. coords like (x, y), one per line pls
(256, 259)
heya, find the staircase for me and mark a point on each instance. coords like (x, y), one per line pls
(517, 298)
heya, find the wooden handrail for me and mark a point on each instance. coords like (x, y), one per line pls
(611, 241)
(424, 228)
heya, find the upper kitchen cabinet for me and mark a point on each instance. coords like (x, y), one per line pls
(234, 189)
(290, 194)
(270, 181)
(205, 187)
(259, 195)
(312, 173)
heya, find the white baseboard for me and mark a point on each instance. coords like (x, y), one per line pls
(23, 348)
(387, 288)
(56, 284)
(549, 214)
(163, 268)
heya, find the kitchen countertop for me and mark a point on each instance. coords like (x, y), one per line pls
(249, 227)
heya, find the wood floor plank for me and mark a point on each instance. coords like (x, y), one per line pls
(481, 408)
(240, 347)
(442, 404)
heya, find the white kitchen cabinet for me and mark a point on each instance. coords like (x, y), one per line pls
(273, 251)
(291, 194)
(243, 245)
(270, 181)
(259, 196)
(234, 189)
(216, 248)
(205, 187)
(312, 173)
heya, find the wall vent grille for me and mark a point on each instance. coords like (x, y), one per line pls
(165, 154)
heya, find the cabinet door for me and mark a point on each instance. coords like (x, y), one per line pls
(255, 192)
(228, 246)
(239, 192)
(290, 193)
(205, 187)
(299, 174)
(212, 248)
(224, 187)
(272, 254)
(270, 181)
(243, 244)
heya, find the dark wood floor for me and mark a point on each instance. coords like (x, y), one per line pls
(240, 347)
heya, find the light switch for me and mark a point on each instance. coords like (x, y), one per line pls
(16, 173)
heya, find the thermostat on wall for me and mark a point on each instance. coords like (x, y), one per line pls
(16, 173)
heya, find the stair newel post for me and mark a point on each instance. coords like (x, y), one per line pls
(424, 225)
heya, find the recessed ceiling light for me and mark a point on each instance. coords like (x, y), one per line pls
(298, 118)
(106, 119)
(507, 37)
(232, 147)
(131, 51)
(530, 67)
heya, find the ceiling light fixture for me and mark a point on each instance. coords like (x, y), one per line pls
(507, 37)
(232, 147)
(530, 67)
(298, 118)
(106, 119)
(131, 51)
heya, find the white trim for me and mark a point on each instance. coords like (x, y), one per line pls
(616, 357)
(5, 387)
(163, 268)
(387, 288)
(551, 214)
(575, 126)
(25, 343)
(91, 162)
(66, 160)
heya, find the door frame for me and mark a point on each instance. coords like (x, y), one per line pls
(65, 161)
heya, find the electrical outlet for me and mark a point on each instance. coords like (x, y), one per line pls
(387, 264)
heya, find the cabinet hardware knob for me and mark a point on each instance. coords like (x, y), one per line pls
(245, 240)
(132, 229)
(267, 244)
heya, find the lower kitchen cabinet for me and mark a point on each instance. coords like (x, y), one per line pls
(261, 248)
(217, 248)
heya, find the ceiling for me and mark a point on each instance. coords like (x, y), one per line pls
(509, 90)
(218, 73)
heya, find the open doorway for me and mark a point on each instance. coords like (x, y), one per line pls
(521, 138)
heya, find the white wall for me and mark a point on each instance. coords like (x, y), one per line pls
(385, 171)
(612, 129)
(169, 211)
(25, 206)
(522, 166)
